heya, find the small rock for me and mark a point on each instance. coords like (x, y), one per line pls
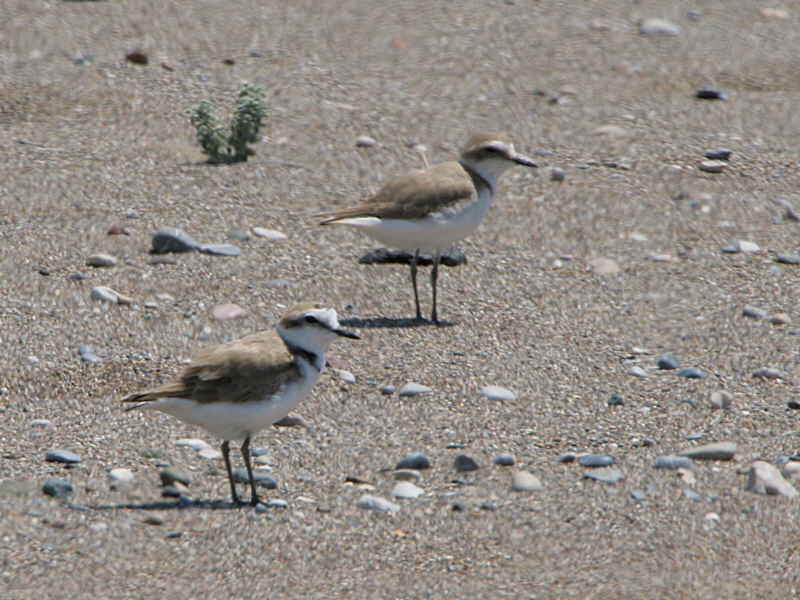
(57, 488)
(780, 319)
(788, 259)
(596, 460)
(692, 373)
(117, 230)
(655, 26)
(406, 490)
(753, 312)
(377, 503)
(106, 294)
(88, 354)
(120, 475)
(227, 312)
(791, 470)
(767, 373)
(365, 141)
(673, 462)
(62, 456)
(137, 57)
(465, 464)
(277, 503)
(416, 461)
(715, 451)
(209, 453)
(719, 154)
(270, 234)
(101, 260)
(608, 131)
(765, 478)
(171, 239)
(504, 460)
(712, 166)
(346, 376)
(488, 506)
(568, 457)
(557, 174)
(407, 475)
(638, 495)
(604, 266)
(291, 420)
(220, 249)
(605, 475)
(171, 476)
(495, 392)
(525, 481)
(388, 390)
(239, 236)
(668, 362)
(414, 389)
(616, 400)
(690, 494)
(793, 404)
(193, 443)
(741, 246)
(708, 93)
(260, 479)
(637, 371)
(721, 400)
(40, 423)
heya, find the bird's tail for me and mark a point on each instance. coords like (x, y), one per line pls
(144, 398)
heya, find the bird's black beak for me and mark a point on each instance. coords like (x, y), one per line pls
(347, 334)
(523, 160)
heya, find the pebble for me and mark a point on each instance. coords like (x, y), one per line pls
(656, 26)
(407, 490)
(791, 470)
(604, 266)
(346, 376)
(668, 362)
(117, 230)
(525, 481)
(719, 154)
(465, 464)
(692, 373)
(568, 457)
(77, 276)
(261, 479)
(606, 130)
(193, 443)
(774, 13)
(416, 461)
(741, 246)
(88, 354)
(172, 239)
(377, 503)
(290, 421)
(102, 293)
(414, 389)
(637, 371)
(270, 234)
(788, 259)
(172, 475)
(57, 487)
(712, 166)
(765, 478)
(793, 404)
(557, 174)
(388, 390)
(616, 400)
(277, 503)
(62, 456)
(605, 475)
(40, 423)
(488, 506)
(638, 495)
(227, 312)
(101, 260)
(220, 249)
(596, 460)
(780, 319)
(365, 141)
(721, 400)
(753, 312)
(163, 260)
(209, 453)
(692, 495)
(505, 460)
(495, 392)
(767, 373)
(407, 475)
(673, 462)
(239, 236)
(714, 451)
(709, 93)
(121, 475)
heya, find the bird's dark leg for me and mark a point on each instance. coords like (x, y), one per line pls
(414, 282)
(226, 455)
(246, 456)
(434, 276)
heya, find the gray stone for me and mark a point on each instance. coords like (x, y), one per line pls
(709, 93)
(88, 354)
(504, 460)
(414, 389)
(193, 443)
(616, 400)
(172, 239)
(365, 141)
(712, 166)
(101, 261)
(465, 464)
(638, 495)
(239, 236)
(220, 249)
(106, 294)
(62, 456)
(388, 390)
(43, 423)
(172, 475)
(57, 488)
(791, 470)
(416, 461)
(765, 478)
(120, 475)
(719, 154)
(377, 503)
(656, 26)
(269, 234)
(567, 457)
(673, 462)
(605, 475)
(692, 495)
(407, 475)
(767, 373)
(557, 174)
(788, 259)
(209, 453)
(604, 266)
(260, 479)
(637, 371)
(525, 481)
(277, 503)
(668, 362)
(714, 451)
(346, 376)
(721, 400)
(596, 460)
(692, 373)
(495, 392)
(754, 312)
(406, 490)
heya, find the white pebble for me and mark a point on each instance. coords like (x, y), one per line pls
(495, 392)
(121, 475)
(270, 234)
(210, 454)
(377, 503)
(406, 489)
(193, 443)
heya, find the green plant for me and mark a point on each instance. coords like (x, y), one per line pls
(248, 119)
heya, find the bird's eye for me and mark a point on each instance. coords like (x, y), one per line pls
(311, 319)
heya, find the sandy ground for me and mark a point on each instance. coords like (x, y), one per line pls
(88, 138)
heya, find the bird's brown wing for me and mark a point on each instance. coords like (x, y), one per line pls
(411, 196)
(247, 369)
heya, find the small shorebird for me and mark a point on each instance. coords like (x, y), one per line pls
(434, 208)
(237, 389)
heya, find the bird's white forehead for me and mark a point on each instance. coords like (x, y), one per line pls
(324, 315)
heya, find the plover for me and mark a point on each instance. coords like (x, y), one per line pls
(237, 389)
(432, 209)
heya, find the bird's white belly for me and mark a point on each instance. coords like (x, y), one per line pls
(237, 420)
(437, 231)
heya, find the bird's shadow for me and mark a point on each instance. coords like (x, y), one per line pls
(182, 504)
(391, 323)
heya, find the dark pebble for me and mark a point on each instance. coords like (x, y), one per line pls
(172, 239)
(504, 460)
(77, 276)
(388, 390)
(692, 373)
(488, 506)
(708, 93)
(458, 507)
(384, 256)
(57, 487)
(668, 362)
(673, 462)
(171, 475)
(719, 154)
(793, 404)
(220, 249)
(465, 464)
(416, 460)
(605, 475)
(62, 456)
(567, 457)
(261, 479)
(596, 460)
(616, 400)
(788, 259)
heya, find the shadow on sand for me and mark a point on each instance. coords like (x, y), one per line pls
(391, 323)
